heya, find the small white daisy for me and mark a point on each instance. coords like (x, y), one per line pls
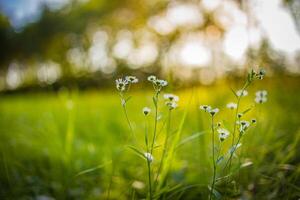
(171, 97)
(231, 105)
(214, 111)
(242, 93)
(146, 110)
(223, 134)
(131, 79)
(171, 104)
(121, 84)
(206, 108)
(260, 100)
(152, 78)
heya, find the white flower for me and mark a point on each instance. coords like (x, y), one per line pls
(261, 93)
(121, 84)
(131, 79)
(242, 93)
(223, 134)
(260, 99)
(149, 157)
(171, 97)
(244, 125)
(214, 111)
(161, 83)
(152, 78)
(146, 110)
(261, 96)
(171, 104)
(231, 105)
(206, 108)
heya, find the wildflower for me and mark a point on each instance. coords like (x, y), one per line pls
(242, 93)
(223, 134)
(261, 100)
(206, 108)
(260, 75)
(214, 111)
(231, 105)
(253, 121)
(121, 84)
(240, 115)
(161, 83)
(149, 157)
(171, 97)
(219, 124)
(152, 78)
(172, 105)
(131, 79)
(261, 93)
(146, 111)
(261, 96)
(244, 125)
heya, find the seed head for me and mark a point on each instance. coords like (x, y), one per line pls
(240, 115)
(253, 121)
(146, 111)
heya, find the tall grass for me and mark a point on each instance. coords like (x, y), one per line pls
(33, 131)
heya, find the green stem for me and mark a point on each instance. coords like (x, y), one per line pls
(149, 179)
(213, 158)
(164, 148)
(155, 120)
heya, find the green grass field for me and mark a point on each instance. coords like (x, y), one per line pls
(74, 146)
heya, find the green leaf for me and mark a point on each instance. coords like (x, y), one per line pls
(247, 110)
(136, 151)
(190, 138)
(92, 169)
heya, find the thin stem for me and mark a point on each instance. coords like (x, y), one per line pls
(235, 118)
(155, 120)
(149, 179)
(213, 158)
(164, 147)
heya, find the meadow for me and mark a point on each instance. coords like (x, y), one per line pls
(74, 144)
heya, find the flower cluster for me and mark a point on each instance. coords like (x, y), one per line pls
(209, 109)
(123, 83)
(158, 84)
(261, 96)
(244, 125)
(171, 101)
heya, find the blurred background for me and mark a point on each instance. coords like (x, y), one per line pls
(61, 122)
(86, 43)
